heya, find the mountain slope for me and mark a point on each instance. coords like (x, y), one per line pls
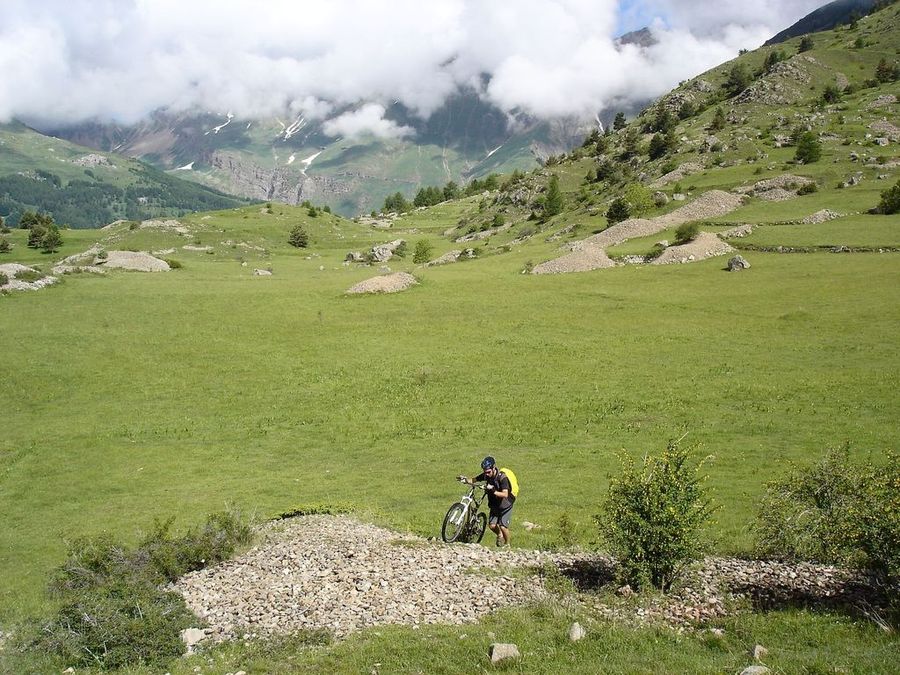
(84, 188)
(292, 160)
(825, 18)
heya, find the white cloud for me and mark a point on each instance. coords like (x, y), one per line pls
(369, 119)
(71, 60)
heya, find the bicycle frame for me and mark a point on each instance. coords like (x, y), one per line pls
(470, 500)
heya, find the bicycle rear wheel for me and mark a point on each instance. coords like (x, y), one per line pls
(454, 523)
(479, 525)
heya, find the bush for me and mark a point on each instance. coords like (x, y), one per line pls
(835, 511)
(809, 149)
(686, 232)
(173, 264)
(639, 198)
(113, 613)
(618, 211)
(298, 237)
(400, 251)
(808, 189)
(52, 240)
(806, 43)
(653, 516)
(422, 252)
(890, 200)
(5, 246)
(3, 279)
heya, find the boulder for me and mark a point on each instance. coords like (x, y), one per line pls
(355, 256)
(660, 198)
(384, 252)
(738, 263)
(678, 197)
(262, 273)
(501, 651)
(576, 632)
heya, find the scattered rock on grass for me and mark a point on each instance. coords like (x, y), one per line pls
(738, 263)
(755, 670)
(10, 270)
(759, 652)
(820, 217)
(576, 632)
(262, 273)
(500, 651)
(192, 637)
(388, 283)
(705, 245)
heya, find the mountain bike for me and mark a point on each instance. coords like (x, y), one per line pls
(465, 521)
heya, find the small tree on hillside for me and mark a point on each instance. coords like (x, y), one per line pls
(5, 245)
(739, 78)
(806, 43)
(617, 211)
(718, 120)
(885, 72)
(422, 252)
(661, 144)
(890, 200)
(639, 199)
(809, 149)
(52, 239)
(298, 237)
(36, 236)
(553, 200)
(619, 121)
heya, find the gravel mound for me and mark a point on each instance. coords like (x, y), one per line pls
(446, 259)
(822, 216)
(388, 283)
(173, 225)
(737, 232)
(343, 575)
(881, 101)
(589, 254)
(887, 129)
(777, 189)
(10, 270)
(706, 245)
(588, 257)
(685, 169)
(137, 261)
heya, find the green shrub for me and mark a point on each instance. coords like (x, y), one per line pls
(653, 516)
(113, 612)
(686, 232)
(890, 200)
(5, 246)
(809, 149)
(835, 511)
(808, 189)
(298, 237)
(133, 226)
(29, 275)
(422, 252)
(174, 264)
(3, 279)
(400, 251)
(618, 211)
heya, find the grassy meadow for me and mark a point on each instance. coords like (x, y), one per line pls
(130, 397)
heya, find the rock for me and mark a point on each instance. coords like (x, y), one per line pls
(625, 591)
(759, 653)
(355, 256)
(501, 651)
(192, 637)
(738, 263)
(854, 156)
(662, 243)
(881, 141)
(70, 669)
(384, 252)
(660, 198)
(530, 526)
(576, 632)
(678, 197)
(262, 273)
(755, 670)
(137, 261)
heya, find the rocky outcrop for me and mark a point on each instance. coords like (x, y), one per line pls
(136, 261)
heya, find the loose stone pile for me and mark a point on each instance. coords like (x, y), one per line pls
(387, 283)
(341, 574)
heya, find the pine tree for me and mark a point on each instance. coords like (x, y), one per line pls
(553, 200)
(718, 121)
(809, 149)
(619, 121)
(806, 43)
(4, 245)
(52, 239)
(298, 237)
(618, 211)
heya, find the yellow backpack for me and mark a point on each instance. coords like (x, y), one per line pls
(513, 482)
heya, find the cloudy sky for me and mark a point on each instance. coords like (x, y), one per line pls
(64, 61)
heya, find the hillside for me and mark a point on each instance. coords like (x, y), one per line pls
(83, 188)
(249, 377)
(825, 18)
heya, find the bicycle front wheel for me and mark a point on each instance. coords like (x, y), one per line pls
(478, 527)
(454, 523)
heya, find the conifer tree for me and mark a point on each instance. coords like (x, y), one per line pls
(553, 200)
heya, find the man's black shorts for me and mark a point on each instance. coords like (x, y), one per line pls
(501, 516)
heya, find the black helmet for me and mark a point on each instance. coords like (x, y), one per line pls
(488, 463)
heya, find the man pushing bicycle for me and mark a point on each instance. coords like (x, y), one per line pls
(500, 498)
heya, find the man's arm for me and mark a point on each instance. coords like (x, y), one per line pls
(504, 493)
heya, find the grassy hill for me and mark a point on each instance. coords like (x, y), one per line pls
(83, 188)
(130, 397)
